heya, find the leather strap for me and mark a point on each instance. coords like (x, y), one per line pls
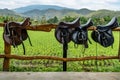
(29, 40)
(23, 47)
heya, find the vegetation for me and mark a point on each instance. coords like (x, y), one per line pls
(44, 43)
(56, 20)
(53, 20)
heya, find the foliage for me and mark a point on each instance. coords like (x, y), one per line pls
(53, 20)
(68, 19)
(83, 20)
(43, 20)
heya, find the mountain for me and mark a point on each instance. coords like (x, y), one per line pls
(103, 13)
(84, 11)
(39, 7)
(4, 12)
(49, 11)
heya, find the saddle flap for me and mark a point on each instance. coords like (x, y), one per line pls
(61, 33)
(79, 37)
(106, 39)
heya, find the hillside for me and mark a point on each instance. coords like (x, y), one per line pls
(84, 11)
(103, 13)
(39, 7)
(50, 13)
(4, 12)
(67, 12)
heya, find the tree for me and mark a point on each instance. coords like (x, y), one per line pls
(83, 20)
(53, 20)
(68, 19)
(107, 19)
(43, 20)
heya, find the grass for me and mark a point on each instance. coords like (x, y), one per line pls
(44, 43)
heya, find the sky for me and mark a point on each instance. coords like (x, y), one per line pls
(75, 4)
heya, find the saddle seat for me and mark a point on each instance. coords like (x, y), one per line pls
(111, 25)
(75, 23)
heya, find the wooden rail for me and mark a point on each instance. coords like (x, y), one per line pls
(58, 58)
(47, 28)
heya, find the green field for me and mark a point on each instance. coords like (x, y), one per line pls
(44, 43)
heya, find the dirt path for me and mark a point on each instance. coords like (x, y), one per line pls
(59, 76)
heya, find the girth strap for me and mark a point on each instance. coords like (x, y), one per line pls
(23, 47)
(6, 29)
(29, 41)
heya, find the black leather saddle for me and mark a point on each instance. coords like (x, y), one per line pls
(103, 34)
(80, 34)
(64, 30)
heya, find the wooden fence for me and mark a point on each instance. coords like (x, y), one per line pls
(47, 28)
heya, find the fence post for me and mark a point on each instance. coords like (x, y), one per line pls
(64, 56)
(65, 47)
(7, 51)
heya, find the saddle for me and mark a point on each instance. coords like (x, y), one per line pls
(80, 34)
(103, 34)
(65, 29)
(15, 33)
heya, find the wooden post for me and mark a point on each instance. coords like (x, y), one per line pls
(7, 51)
